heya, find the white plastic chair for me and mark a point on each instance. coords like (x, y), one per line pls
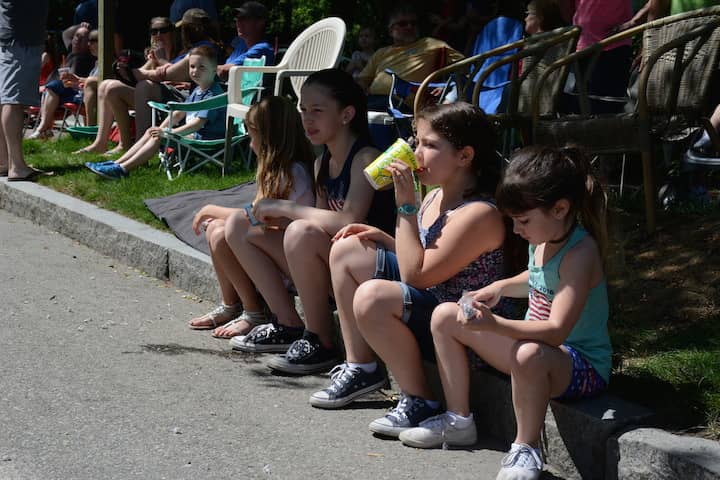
(316, 48)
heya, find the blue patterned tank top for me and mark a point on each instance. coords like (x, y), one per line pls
(482, 271)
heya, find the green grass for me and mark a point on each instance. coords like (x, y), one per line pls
(123, 196)
(664, 290)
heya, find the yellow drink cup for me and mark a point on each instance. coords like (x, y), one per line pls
(376, 172)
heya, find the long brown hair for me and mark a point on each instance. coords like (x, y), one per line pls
(539, 176)
(282, 142)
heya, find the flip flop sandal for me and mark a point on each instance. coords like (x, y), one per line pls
(219, 316)
(253, 319)
(32, 176)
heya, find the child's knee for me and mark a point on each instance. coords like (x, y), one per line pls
(236, 227)
(303, 236)
(528, 356)
(444, 318)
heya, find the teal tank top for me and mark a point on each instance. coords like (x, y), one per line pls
(590, 335)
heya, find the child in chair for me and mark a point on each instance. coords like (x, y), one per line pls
(201, 125)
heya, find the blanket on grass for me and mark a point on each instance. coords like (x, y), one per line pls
(178, 210)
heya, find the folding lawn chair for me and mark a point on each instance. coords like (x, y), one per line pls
(182, 154)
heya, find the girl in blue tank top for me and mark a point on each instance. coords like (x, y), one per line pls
(562, 350)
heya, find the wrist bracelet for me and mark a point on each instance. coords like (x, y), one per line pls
(407, 209)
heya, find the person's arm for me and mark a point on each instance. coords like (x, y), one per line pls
(209, 213)
(355, 209)
(189, 126)
(173, 72)
(580, 271)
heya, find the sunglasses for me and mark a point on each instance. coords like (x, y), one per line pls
(158, 31)
(93, 40)
(404, 24)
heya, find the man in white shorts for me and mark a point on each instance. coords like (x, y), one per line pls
(22, 39)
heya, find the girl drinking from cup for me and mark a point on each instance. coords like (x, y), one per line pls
(562, 350)
(387, 287)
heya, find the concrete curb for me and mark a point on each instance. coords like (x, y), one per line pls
(596, 438)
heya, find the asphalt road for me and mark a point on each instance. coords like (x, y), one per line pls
(101, 379)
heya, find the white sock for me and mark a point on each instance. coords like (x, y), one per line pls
(365, 367)
(460, 421)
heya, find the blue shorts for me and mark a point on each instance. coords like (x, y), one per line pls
(67, 95)
(20, 74)
(418, 305)
(585, 380)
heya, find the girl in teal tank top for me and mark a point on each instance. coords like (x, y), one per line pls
(562, 349)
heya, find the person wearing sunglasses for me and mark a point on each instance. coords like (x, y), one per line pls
(118, 98)
(411, 57)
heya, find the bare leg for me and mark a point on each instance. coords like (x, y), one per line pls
(451, 341)
(11, 153)
(261, 255)
(90, 101)
(538, 373)
(236, 226)
(140, 153)
(145, 90)
(307, 249)
(50, 103)
(221, 256)
(378, 310)
(351, 263)
(116, 99)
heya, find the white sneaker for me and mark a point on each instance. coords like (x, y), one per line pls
(439, 431)
(40, 134)
(522, 462)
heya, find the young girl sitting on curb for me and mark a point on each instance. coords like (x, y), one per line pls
(563, 350)
(387, 288)
(283, 172)
(334, 113)
(202, 125)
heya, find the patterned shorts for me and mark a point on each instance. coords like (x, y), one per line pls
(585, 380)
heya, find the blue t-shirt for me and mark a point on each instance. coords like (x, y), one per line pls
(215, 125)
(241, 52)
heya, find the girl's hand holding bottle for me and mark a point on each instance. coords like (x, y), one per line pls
(267, 209)
(201, 220)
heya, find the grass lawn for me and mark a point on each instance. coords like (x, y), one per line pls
(124, 196)
(664, 290)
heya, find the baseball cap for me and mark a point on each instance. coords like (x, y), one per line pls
(193, 16)
(251, 10)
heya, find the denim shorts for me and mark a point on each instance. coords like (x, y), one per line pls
(20, 74)
(418, 305)
(585, 380)
(65, 94)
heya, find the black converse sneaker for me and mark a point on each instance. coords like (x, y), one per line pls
(305, 356)
(347, 384)
(408, 413)
(267, 338)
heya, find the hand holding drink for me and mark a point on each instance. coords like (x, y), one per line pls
(377, 172)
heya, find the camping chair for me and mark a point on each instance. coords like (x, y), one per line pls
(178, 151)
(679, 56)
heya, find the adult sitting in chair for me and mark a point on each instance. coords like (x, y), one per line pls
(80, 62)
(410, 57)
(201, 125)
(250, 22)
